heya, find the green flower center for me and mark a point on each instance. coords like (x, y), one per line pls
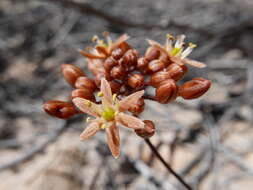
(108, 114)
(175, 51)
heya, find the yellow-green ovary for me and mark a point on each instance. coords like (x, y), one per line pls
(108, 114)
(175, 51)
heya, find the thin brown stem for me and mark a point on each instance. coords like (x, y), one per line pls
(179, 178)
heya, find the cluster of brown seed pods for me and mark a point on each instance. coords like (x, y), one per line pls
(127, 72)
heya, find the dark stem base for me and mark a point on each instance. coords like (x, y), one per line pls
(158, 155)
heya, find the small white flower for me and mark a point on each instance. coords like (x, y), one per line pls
(174, 48)
(103, 49)
(108, 115)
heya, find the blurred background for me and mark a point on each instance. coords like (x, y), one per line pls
(208, 141)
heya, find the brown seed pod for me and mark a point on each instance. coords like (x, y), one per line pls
(166, 92)
(138, 107)
(159, 77)
(124, 46)
(130, 58)
(99, 76)
(142, 65)
(83, 93)
(148, 130)
(71, 73)
(165, 58)
(60, 109)
(194, 88)
(115, 86)
(109, 63)
(118, 72)
(85, 83)
(152, 53)
(156, 65)
(98, 80)
(135, 80)
(176, 71)
(117, 53)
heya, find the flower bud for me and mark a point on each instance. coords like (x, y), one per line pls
(71, 73)
(109, 63)
(138, 107)
(166, 92)
(194, 88)
(176, 71)
(164, 58)
(142, 65)
(156, 65)
(124, 46)
(60, 109)
(83, 93)
(117, 53)
(118, 72)
(85, 83)
(152, 53)
(115, 86)
(135, 80)
(148, 130)
(159, 77)
(99, 76)
(130, 57)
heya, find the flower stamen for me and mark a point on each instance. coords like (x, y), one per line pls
(100, 94)
(88, 119)
(114, 96)
(169, 36)
(103, 126)
(88, 103)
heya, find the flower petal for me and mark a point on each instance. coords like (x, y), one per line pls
(194, 63)
(96, 66)
(90, 55)
(169, 43)
(113, 140)
(87, 106)
(180, 41)
(129, 121)
(158, 46)
(155, 43)
(103, 50)
(120, 40)
(107, 93)
(130, 100)
(90, 131)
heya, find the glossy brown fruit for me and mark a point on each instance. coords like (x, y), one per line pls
(135, 80)
(118, 72)
(166, 92)
(83, 93)
(115, 86)
(60, 109)
(85, 83)
(176, 71)
(194, 88)
(148, 130)
(109, 63)
(156, 65)
(71, 73)
(152, 53)
(130, 58)
(159, 77)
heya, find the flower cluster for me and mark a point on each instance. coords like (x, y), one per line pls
(120, 77)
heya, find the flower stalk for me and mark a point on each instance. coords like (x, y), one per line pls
(166, 165)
